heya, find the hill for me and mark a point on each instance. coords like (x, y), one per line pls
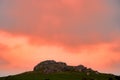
(51, 70)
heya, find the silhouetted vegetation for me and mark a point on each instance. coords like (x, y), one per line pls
(110, 79)
(117, 77)
(47, 79)
(52, 70)
(60, 76)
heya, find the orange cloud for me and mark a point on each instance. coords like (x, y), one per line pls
(35, 30)
(69, 23)
(20, 52)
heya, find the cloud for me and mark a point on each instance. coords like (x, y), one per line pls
(113, 67)
(3, 62)
(115, 64)
(70, 23)
(22, 56)
(3, 50)
(116, 48)
(45, 29)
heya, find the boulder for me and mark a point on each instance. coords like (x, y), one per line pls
(50, 66)
(69, 68)
(80, 68)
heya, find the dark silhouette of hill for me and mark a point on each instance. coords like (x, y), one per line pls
(52, 70)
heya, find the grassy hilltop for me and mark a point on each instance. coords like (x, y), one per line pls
(52, 70)
(59, 76)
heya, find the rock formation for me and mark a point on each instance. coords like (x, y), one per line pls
(51, 66)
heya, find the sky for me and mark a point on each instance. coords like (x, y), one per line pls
(73, 31)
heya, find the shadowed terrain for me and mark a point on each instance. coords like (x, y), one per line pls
(52, 70)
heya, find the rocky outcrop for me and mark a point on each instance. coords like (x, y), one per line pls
(51, 66)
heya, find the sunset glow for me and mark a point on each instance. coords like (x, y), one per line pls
(72, 31)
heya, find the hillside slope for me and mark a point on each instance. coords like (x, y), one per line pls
(60, 76)
(52, 70)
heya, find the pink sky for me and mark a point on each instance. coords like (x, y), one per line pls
(73, 31)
